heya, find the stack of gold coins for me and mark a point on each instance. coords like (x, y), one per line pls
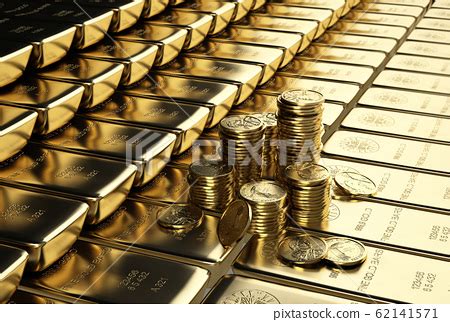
(300, 126)
(242, 144)
(309, 192)
(212, 184)
(269, 157)
(269, 204)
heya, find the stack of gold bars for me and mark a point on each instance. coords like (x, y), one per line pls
(108, 107)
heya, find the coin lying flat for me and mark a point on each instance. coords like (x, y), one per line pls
(345, 251)
(355, 184)
(303, 249)
(307, 173)
(180, 217)
(234, 222)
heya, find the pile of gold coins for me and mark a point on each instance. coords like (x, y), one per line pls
(300, 126)
(269, 156)
(308, 250)
(269, 203)
(309, 192)
(242, 144)
(212, 184)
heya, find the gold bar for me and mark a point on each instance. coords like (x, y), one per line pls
(441, 4)
(21, 297)
(154, 7)
(218, 97)
(244, 76)
(307, 28)
(406, 153)
(197, 25)
(397, 123)
(382, 19)
(419, 3)
(382, 267)
(269, 59)
(389, 225)
(367, 29)
(220, 12)
(14, 57)
(338, 6)
(170, 40)
(102, 184)
(243, 7)
(50, 41)
(300, 67)
(258, 4)
(434, 24)
(420, 64)
(176, 2)
(55, 102)
(425, 49)
(430, 36)
(414, 81)
(185, 121)
(137, 58)
(148, 150)
(394, 9)
(437, 13)
(335, 39)
(12, 265)
(125, 13)
(169, 186)
(202, 149)
(90, 272)
(415, 102)
(43, 225)
(289, 43)
(345, 55)
(16, 126)
(332, 91)
(236, 289)
(99, 78)
(323, 16)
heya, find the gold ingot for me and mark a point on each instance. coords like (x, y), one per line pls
(154, 7)
(337, 39)
(12, 265)
(14, 58)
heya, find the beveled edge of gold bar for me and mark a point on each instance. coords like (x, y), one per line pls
(12, 274)
(151, 9)
(126, 15)
(92, 31)
(13, 65)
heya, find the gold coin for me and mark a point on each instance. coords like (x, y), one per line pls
(303, 249)
(234, 222)
(210, 168)
(307, 174)
(180, 217)
(262, 192)
(355, 184)
(345, 251)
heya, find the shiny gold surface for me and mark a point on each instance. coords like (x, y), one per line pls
(148, 150)
(345, 55)
(236, 289)
(153, 7)
(16, 126)
(99, 78)
(244, 76)
(208, 149)
(369, 280)
(382, 19)
(391, 9)
(184, 120)
(103, 184)
(242, 8)
(425, 49)
(12, 264)
(396, 151)
(43, 225)
(428, 35)
(21, 297)
(400, 185)
(14, 58)
(106, 275)
(220, 12)
(401, 100)
(301, 67)
(402, 124)
(269, 59)
(196, 24)
(333, 92)
(366, 29)
(389, 225)
(55, 102)
(137, 58)
(170, 40)
(218, 97)
(414, 81)
(336, 39)
(420, 64)
(169, 186)
(420, 3)
(288, 42)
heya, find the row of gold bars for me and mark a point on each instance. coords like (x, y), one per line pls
(103, 109)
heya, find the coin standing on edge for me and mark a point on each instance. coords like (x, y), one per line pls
(180, 217)
(303, 249)
(345, 251)
(234, 222)
(355, 184)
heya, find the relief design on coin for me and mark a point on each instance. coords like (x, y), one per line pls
(241, 123)
(377, 120)
(359, 145)
(335, 168)
(302, 97)
(303, 249)
(345, 251)
(262, 192)
(180, 217)
(247, 296)
(355, 184)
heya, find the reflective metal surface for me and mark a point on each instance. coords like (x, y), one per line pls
(12, 264)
